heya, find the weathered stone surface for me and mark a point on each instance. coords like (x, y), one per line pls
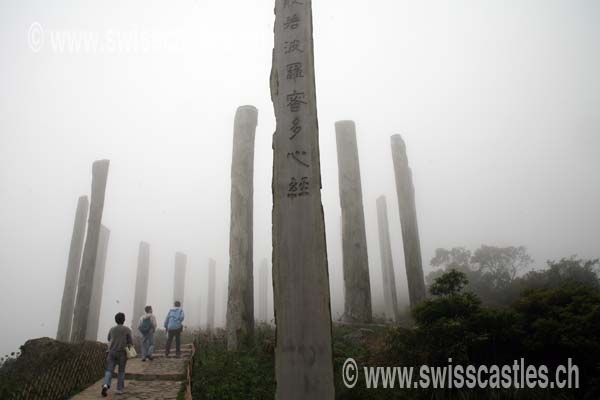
(212, 283)
(303, 353)
(97, 288)
(387, 264)
(240, 301)
(408, 219)
(141, 285)
(70, 290)
(357, 286)
(179, 279)
(90, 251)
(263, 291)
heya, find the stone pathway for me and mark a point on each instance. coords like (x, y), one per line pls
(160, 379)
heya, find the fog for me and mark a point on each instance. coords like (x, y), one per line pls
(498, 103)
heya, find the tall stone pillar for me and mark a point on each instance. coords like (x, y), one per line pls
(240, 301)
(212, 282)
(387, 264)
(263, 291)
(70, 289)
(408, 219)
(179, 281)
(90, 251)
(357, 293)
(97, 288)
(303, 353)
(141, 285)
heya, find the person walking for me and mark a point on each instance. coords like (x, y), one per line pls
(119, 338)
(147, 326)
(174, 326)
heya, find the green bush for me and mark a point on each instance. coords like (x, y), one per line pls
(225, 375)
(545, 326)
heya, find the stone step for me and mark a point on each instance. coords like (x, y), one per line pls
(173, 349)
(159, 369)
(183, 346)
(153, 377)
(184, 356)
(162, 352)
(183, 350)
(134, 390)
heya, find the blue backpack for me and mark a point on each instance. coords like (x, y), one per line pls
(145, 326)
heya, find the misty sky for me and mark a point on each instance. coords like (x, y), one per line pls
(498, 102)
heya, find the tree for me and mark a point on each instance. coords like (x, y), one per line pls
(571, 271)
(451, 283)
(490, 270)
(457, 258)
(501, 261)
(453, 324)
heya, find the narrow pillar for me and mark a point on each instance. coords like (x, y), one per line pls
(270, 305)
(90, 251)
(141, 285)
(179, 281)
(357, 293)
(212, 282)
(387, 264)
(240, 301)
(263, 290)
(408, 219)
(199, 305)
(72, 275)
(223, 301)
(303, 353)
(97, 288)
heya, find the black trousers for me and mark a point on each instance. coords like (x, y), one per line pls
(174, 333)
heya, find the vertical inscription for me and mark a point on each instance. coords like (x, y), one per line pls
(296, 99)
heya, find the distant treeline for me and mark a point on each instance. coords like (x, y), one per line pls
(499, 275)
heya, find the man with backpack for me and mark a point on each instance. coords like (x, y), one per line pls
(147, 326)
(174, 326)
